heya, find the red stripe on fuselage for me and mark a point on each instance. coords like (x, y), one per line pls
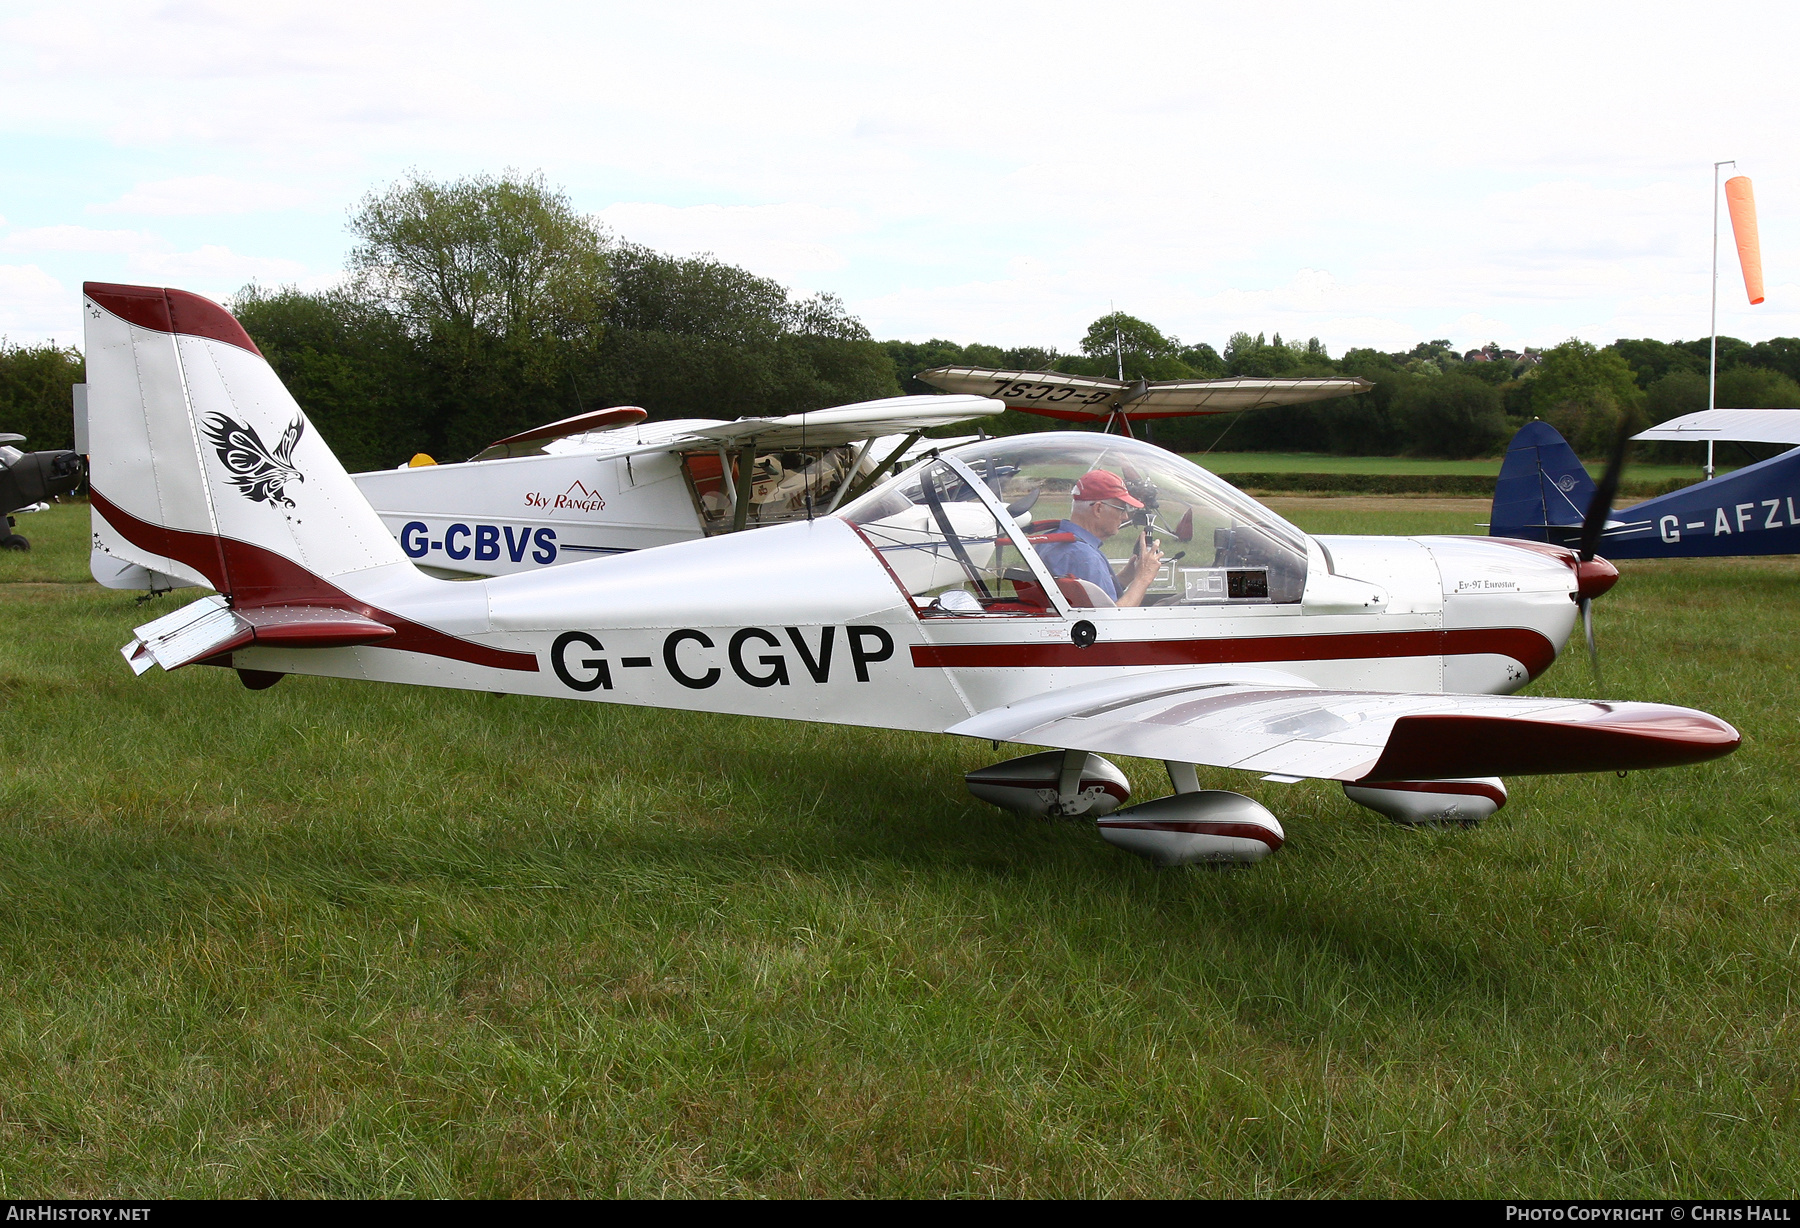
(1527, 647)
(254, 578)
(1197, 827)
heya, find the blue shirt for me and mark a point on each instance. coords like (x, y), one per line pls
(1081, 558)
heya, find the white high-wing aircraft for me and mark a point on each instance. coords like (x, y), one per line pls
(927, 604)
(608, 482)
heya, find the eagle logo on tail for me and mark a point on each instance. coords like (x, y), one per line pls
(259, 474)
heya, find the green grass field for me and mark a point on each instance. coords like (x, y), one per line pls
(1319, 462)
(340, 939)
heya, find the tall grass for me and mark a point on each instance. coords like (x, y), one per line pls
(339, 939)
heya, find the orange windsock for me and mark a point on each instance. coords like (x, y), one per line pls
(1742, 203)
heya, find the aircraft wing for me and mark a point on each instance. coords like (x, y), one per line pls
(1738, 425)
(580, 424)
(827, 428)
(1090, 398)
(1265, 721)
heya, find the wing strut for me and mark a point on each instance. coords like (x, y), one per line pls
(740, 516)
(874, 475)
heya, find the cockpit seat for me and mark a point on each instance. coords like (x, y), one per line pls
(1084, 594)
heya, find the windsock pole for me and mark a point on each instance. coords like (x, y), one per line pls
(1712, 371)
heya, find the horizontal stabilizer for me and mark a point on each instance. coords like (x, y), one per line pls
(209, 628)
(202, 629)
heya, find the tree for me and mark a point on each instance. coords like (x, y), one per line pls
(1652, 360)
(1757, 388)
(501, 288)
(1450, 416)
(696, 337)
(34, 394)
(1585, 393)
(1204, 361)
(361, 378)
(1677, 393)
(506, 257)
(1778, 354)
(1247, 355)
(1140, 345)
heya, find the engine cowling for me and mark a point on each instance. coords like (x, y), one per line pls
(1418, 802)
(1210, 825)
(1029, 786)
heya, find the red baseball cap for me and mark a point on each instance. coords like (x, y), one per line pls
(1097, 484)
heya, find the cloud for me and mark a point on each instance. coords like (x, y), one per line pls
(954, 192)
(205, 194)
(783, 241)
(34, 306)
(81, 239)
(217, 269)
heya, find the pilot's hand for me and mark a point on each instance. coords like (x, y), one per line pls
(1146, 560)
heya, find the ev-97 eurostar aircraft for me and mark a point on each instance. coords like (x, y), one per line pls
(1088, 593)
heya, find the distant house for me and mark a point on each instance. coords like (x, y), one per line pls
(1477, 356)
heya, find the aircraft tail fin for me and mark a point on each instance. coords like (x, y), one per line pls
(203, 466)
(1543, 491)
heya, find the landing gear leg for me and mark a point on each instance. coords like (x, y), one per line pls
(1182, 776)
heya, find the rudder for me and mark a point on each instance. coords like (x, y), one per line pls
(202, 464)
(1543, 490)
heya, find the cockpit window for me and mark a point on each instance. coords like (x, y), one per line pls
(1219, 546)
(947, 549)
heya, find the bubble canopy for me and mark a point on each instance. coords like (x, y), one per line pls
(958, 550)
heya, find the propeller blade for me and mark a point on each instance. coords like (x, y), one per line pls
(1587, 623)
(1600, 509)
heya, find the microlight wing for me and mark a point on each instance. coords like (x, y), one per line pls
(1089, 398)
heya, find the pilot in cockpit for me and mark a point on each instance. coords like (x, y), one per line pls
(1102, 506)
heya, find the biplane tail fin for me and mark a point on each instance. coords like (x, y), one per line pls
(1543, 490)
(203, 466)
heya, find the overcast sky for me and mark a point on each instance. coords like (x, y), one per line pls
(1371, 174)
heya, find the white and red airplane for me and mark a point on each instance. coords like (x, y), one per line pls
(991, 591)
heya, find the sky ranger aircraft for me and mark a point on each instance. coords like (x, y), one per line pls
(1544, 493)
(1383, 663)
(608, 482)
